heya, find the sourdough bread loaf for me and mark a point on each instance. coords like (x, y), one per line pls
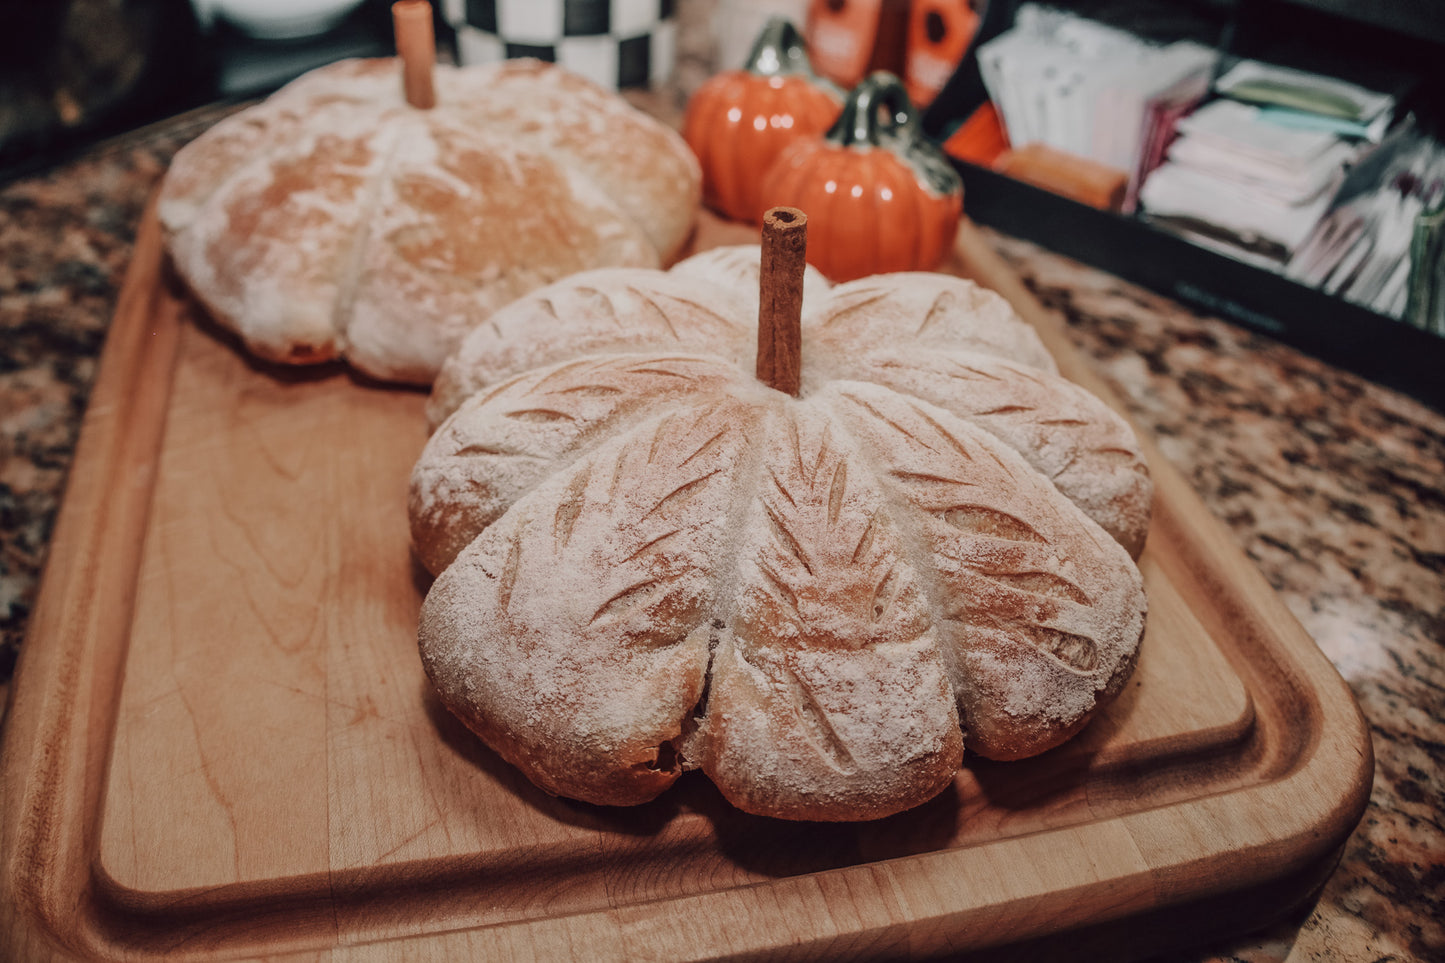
(647, 561)
(335, 220)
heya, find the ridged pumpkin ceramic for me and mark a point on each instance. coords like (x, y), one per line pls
(879, 197)
(740, 120)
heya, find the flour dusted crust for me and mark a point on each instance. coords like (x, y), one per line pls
(648, 562)
(334, 220)
(596, 312)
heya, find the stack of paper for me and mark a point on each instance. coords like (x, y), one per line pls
(1253, 172)
(1085, 88)
(1234, 178)
(1161, 120)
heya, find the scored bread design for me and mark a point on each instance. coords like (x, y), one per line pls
(648, 561)
(334, 220)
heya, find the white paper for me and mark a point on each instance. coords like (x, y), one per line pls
(1238, 128)
(1179, 191)
(1082, 87)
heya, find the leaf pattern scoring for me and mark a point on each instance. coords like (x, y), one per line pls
(649, 562)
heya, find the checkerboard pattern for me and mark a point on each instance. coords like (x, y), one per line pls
(614, 43)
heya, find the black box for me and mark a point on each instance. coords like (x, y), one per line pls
(1360, 41)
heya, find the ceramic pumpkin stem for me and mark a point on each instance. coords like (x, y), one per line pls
(416, 46)
(779, 50)
(780, 299)
(878, 113)
(876, 108)
(880, 195)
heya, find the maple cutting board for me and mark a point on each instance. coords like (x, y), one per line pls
(221, 744)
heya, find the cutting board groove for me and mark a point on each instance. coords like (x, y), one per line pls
(221, 743)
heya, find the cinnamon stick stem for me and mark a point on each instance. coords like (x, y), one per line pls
(780, 299)
(416, 46)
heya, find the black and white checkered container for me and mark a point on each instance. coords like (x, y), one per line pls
(614, 43)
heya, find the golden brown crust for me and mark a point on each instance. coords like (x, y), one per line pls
(333, 220)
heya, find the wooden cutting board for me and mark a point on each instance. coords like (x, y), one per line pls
(221, 744)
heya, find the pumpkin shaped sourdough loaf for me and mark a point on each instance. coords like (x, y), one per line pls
(334, 220)
(648, 561)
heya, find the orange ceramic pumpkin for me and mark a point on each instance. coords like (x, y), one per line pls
(878, 196)
(740, 120)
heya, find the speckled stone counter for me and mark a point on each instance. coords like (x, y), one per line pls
(1333, 486)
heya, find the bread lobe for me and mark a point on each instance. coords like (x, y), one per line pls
(1065, 433)
(606, 311)
(829, 700)
(571, 634)
(504, 441)
(1042, 611)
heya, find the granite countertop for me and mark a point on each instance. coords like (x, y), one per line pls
(1333, 486)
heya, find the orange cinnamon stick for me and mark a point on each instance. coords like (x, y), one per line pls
(780, 299)
(416, 46)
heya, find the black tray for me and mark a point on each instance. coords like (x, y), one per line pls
(1377, 347)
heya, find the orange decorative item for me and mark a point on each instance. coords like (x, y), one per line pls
(851, 38)
(979, 140)
(939, 33)
(878, 196)
(739, 121)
